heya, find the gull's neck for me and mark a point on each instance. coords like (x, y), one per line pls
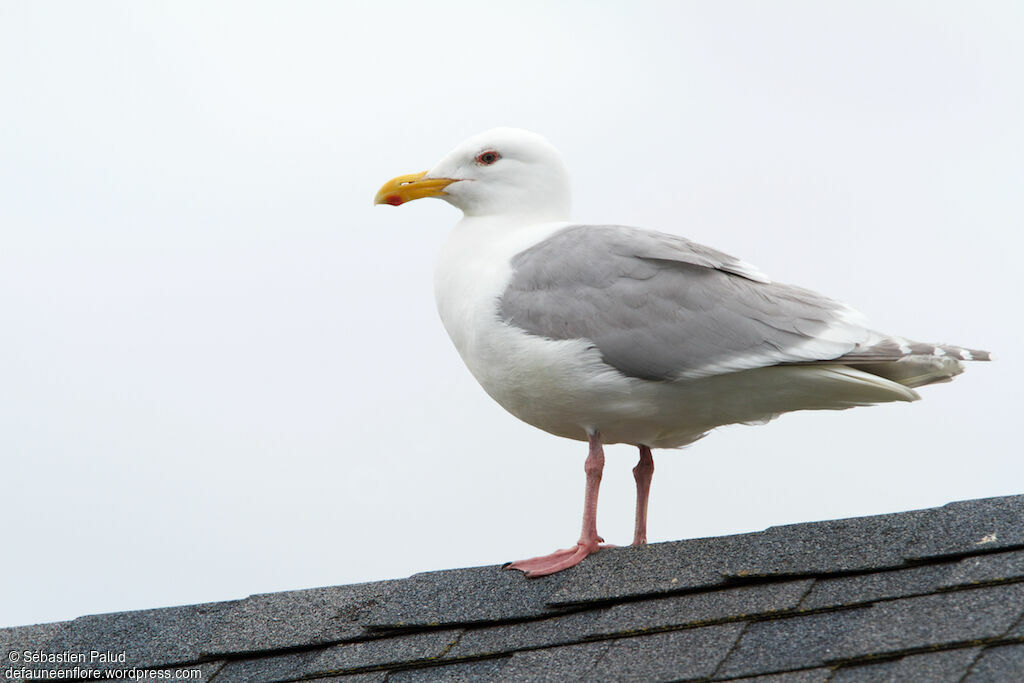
(491, 229)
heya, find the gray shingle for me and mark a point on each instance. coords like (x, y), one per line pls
(376, 653)
(1017, 633)
(935, 620)
(33, 637)
(675, 655)
(654, 569)
(562, 630)
(864, 588)
(971, 526)
(347, 657)
(769, 603)
(668, 647)
(986, 569)
(947, 666)
(846, 545)
(566, 663)
(149, 638)
(483, 670)
(270, 669)
(842, 545)
(154, 638)
(644, 615)
(370, 677)
(294, 618)
(791, 643)
(886, 627)
(821, 675)
(1000, 663)
(696, 608)
(464, 596)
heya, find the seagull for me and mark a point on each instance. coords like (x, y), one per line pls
(613, 334)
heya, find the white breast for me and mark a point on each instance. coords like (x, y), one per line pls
(562, 387)
(473, 270)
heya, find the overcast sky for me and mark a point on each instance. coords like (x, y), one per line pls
(221, 368)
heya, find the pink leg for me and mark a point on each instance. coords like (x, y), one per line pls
(589, 540)
(643, 472)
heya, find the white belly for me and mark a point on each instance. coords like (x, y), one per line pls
(565, 388)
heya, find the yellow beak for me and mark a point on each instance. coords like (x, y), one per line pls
(406, 188)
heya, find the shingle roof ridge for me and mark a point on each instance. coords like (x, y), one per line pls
(712, 588)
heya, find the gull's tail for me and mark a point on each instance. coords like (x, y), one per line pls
(910, 363)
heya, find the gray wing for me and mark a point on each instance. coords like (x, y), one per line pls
(660, 307)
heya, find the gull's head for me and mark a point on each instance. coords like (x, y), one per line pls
(501, 172)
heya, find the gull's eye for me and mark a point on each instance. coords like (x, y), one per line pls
(487, 158)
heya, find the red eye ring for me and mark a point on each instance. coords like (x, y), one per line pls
(487, 158)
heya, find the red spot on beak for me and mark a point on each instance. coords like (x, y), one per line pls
(393, 199)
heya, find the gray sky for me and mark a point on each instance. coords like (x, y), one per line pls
(221, 369)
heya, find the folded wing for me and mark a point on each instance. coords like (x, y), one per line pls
(660, 307)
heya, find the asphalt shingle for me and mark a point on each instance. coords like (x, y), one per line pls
(660, 656)
(649, 615)
(294, 619)
(148, 638)
(789, 643)
(997, 567)
(887, 627)
(1017, 633)
(675, 655)
(370, 677)
(699, 608)
(935, 620)
(29, 637)
(506, 638)
(655, 569)
(972, 526)
(803, 676)
(463, 596)
(947, 666)
(926, 595)
(1001, 663)
(843, 545)
(481, 670)
(346, 658)
(867, 588)
(565, 663)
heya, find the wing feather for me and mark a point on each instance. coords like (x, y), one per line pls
(661, 307)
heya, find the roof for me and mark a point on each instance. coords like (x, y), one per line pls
(932, 595)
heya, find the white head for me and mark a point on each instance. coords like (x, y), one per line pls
(501, 172)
